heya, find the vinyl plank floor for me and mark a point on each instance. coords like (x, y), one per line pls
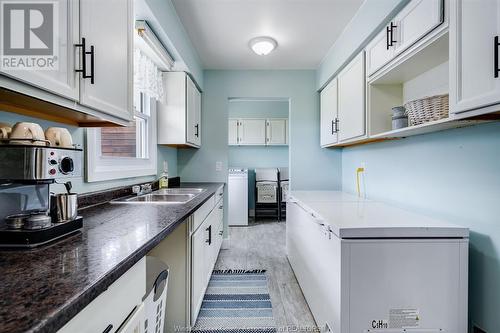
(262, 246)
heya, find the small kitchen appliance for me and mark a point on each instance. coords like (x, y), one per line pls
(26, 172)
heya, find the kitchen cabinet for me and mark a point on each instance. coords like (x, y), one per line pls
(232, 130)
(252, 132)
(329, 114)
(64, 81)
(413, 22)
(258, 132)
(474, 57)
(93, 81)
(351, 100)
(206, 241)
(417, 19)
(107, 28)
(276, 132)
(110, 309)
(179, 113)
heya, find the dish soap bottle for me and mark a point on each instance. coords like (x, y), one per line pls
(163, 181)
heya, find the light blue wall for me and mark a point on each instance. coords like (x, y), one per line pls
(79, 185)
(367, 21)
(252, 157)
(258, 108)
(163, 18)
(454, 175)
(307, 159)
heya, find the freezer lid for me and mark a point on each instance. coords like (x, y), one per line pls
(376, 220)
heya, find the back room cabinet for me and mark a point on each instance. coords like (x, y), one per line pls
(276, 132)
(351, 100)
(474, 54)
(252, 132)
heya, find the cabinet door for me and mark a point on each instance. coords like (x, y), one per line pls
(107, 26)
(192, 114)
(198, 276)
(252, 132)
(417, 19)
(276, 132)
(232, 132)
(377, 52)
(474, 54)
(198, 101)
(328, 106)
(352, 116)
(64, 81)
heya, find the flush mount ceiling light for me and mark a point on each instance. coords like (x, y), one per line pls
(263, 45)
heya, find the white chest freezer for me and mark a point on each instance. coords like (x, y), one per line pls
(366, 267)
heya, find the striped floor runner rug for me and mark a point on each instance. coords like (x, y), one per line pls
(236, 301)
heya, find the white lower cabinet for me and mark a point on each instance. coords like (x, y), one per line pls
(474, 56)
(108, 311)
(206, 241)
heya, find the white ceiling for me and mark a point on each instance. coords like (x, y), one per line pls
(305, 30)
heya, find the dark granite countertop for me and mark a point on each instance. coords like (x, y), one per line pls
(43, 288)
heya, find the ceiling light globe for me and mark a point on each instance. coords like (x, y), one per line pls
(263, 45)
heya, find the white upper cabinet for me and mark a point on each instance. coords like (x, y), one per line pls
(276, 132)
(64, 81)
(351, 100)
(95, 66)
(193, 112)
(252, 132)
(417, 19)
(232, 132)
(179, 113)
(380, 51)
(329, 114)
(474, 56)
(107, 29)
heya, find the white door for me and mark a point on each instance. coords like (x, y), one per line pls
(378, 53)
(107, 26)
(276, 132)
(197, 271)
(252, 132)
(328, 106)
(474, 54)
(197, 97)
(352, 116)
(63, 81)
(232, 132)
(192, 123)
(417, 19)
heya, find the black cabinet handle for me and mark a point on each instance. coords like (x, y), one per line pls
(108, 329)
(389, 35)
(336, 125)
(209, 240)
(197, 126)
(84, 54)
(496, 45)
(333, 127)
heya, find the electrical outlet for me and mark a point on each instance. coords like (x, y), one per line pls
(218, 166)
(478, 330)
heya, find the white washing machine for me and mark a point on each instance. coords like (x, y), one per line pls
(237, 189)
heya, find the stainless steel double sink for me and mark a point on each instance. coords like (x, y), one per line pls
(164, 196)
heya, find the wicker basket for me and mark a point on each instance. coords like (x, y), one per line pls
(427, 109)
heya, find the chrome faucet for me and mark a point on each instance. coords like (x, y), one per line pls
(142, 189)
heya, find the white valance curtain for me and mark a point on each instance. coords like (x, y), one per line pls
(147, 76)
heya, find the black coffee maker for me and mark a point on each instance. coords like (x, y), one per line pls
(28, 217)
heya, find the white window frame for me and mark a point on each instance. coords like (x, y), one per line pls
(101, 168)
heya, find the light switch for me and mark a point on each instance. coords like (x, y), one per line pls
(218, 166)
